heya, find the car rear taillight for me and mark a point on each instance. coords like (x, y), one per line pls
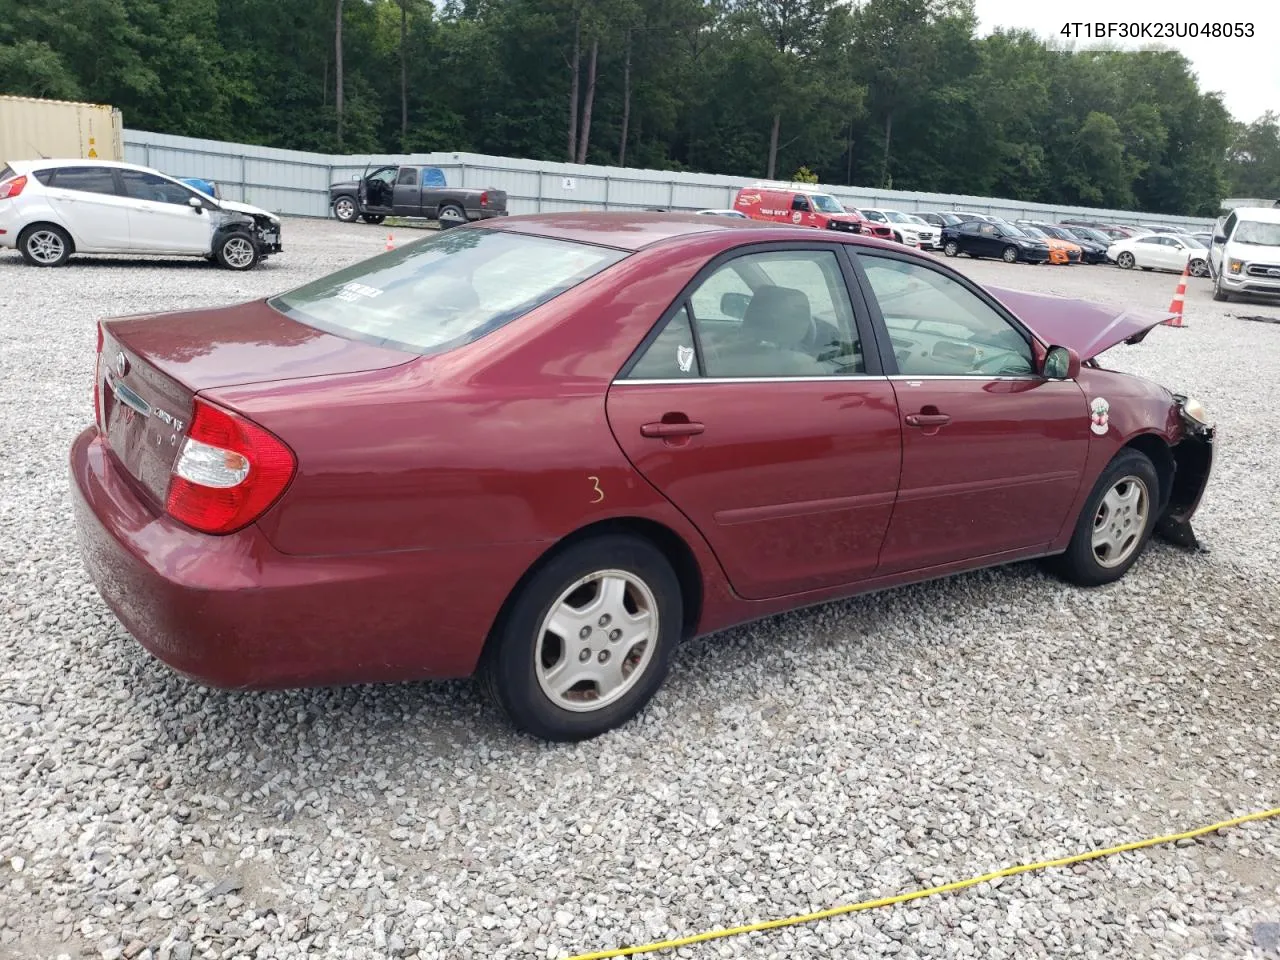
(97, 383)
(484, 199)
(11, 188)
(229, 471)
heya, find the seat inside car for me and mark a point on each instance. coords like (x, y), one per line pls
(773, 339)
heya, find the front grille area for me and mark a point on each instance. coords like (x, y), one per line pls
(1269, 271)
(841, 225)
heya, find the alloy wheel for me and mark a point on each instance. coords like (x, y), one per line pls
(46, 247)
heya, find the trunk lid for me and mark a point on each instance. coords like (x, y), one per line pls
(151, 368)
(1087, 328)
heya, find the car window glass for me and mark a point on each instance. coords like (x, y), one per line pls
(671, 355)
(777, 314)
(85, 179)
(408, 176)
(938, 327)
(432, 177)
(988, 230)
(1228, 225)
(799, 203)
(386, 175)
(148, 186)
(1258, 232)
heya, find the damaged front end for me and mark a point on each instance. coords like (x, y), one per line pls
(1192, 464)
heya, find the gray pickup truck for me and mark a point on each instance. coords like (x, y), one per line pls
(413, 191)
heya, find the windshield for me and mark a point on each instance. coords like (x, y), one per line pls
(897, 217)
(1034, 232)
(826, 203)
(1255, 232)
(441, 293)
(1011, 231)
(912, 218)
(1191, 241)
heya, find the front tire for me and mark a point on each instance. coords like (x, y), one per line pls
(1115, 524)
(237, 251)
(344, 208)
(1009, 254)
(45, 245)
(1218, 293)
(1125, 261)
(951, 248)
(587, 641)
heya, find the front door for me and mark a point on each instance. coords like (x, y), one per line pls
(755, 412)
(88, 202)
(161, 218)
(993, 454)
(376, 189)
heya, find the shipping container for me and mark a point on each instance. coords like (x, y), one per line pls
(33, 129)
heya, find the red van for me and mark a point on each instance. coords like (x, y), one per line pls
(804, 206)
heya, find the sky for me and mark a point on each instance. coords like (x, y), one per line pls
(1245, 71)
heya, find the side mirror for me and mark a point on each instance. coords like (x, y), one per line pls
(735, 305)
(1061, 363)
(195, 203)
(1219, 238)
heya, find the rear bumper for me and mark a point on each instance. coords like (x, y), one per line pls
(234, 612)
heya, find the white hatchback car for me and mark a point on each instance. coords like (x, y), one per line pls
(50, 209)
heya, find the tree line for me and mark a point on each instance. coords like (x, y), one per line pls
(898, 94)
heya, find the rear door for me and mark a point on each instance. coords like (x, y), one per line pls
(407, 193)
(161, 218)
(992, 453)
(88, 200)
(754, 410)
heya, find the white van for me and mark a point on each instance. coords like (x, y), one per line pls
(1246, 253)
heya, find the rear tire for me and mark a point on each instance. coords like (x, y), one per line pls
(451, 215)
(1199, 268)
(44, 245)
(236, 251)
(1115, 524)
(637, 620)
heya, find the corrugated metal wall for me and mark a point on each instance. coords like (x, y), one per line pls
(295, 182)
(31, 128)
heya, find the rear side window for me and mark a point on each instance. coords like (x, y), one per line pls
(85, 179)
(408, 176)
(6, 173)
(441, 293)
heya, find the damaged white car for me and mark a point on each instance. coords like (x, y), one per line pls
(52, 209)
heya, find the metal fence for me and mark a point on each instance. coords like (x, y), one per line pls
(297, 183)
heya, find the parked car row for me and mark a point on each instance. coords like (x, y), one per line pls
(52, 209)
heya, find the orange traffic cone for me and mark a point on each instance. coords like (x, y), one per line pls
(391, 243)
(1175, 306)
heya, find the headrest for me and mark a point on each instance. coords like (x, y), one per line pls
(777, 315)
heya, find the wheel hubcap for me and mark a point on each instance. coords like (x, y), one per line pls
(346, 209)
(238, 252)
(597, 640)
(45, 247)
(1120, 521)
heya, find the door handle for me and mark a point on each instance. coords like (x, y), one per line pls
(927, 419)
(686, 428)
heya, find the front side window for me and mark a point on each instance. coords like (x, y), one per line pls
(85, 180)
(441, 293)
(384, 175)
(775, 314)
(938, 327)
(149, 186)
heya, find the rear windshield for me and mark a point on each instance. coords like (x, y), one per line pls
(438, 294)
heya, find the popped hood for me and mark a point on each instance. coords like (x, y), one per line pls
(1087, 328)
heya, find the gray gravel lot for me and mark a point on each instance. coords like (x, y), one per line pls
(856, 750)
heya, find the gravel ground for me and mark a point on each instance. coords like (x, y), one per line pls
(856, 750)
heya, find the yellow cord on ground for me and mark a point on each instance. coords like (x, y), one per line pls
(920, 894)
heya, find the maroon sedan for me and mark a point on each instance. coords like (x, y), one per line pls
(546, 449)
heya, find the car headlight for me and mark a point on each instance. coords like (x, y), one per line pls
(1235, 266)
(1193, 409)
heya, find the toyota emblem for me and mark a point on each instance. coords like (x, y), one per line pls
(122, 363)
